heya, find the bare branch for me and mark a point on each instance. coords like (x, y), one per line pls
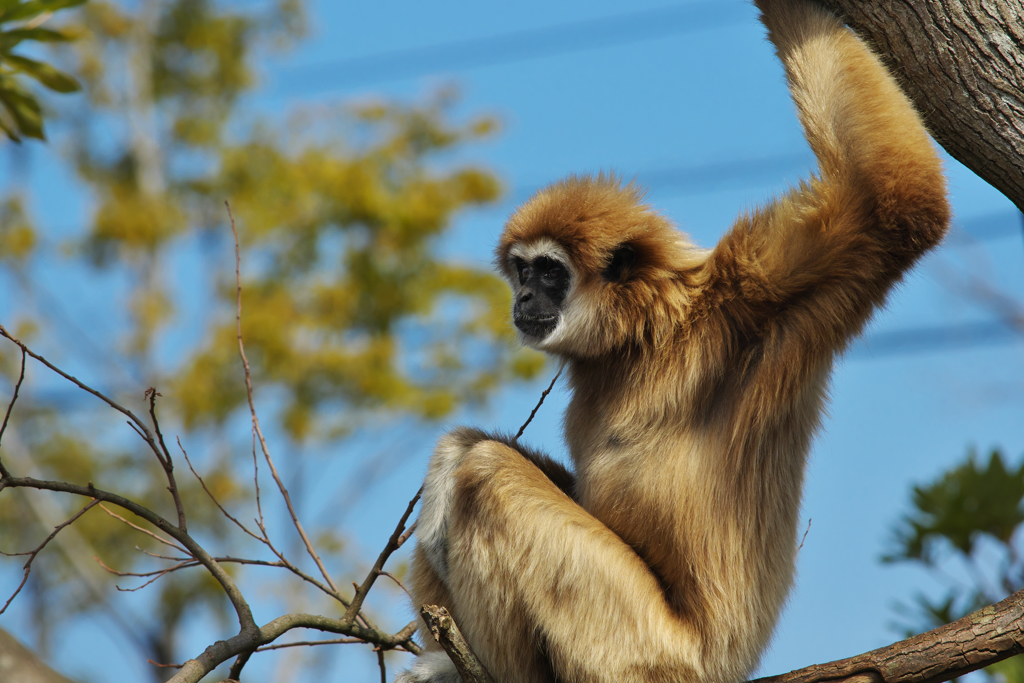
(445, 632)
(408, 532)
(235, 673)
(543, 396)
(222, 650)
(392, 545)
(806, 531)
(256, 481)
(156, 574)
(143, 530)
(400, 585)
(256, 422)
(214, 498)
(304, 643)
(110, 402)
(243, 612)
(35, 553)
(134, 421)
(164, 666)
(10, 407)
(985, 637)
(164, 456)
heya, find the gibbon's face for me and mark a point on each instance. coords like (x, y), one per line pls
(544, 280)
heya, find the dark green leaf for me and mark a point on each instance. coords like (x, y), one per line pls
(13, 11)
(44, 73)
(966, 501)
(24, 109)
(10, 39)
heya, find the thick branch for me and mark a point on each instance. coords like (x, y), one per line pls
(223, 650)
(962, 63)
(985, 637)
(245, 620)
(445, 632)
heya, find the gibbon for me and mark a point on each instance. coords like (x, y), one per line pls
(698, 379)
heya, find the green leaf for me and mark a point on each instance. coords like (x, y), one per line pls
(25, 111)
(10, 39)
(44, 73)
(12, 11)
(971, 499)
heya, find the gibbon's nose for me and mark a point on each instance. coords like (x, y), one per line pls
(524, 296)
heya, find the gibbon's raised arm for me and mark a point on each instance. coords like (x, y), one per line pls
(820, 258)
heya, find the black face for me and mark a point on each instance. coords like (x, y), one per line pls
(543, 284)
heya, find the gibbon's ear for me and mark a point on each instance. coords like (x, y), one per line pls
(620, 265)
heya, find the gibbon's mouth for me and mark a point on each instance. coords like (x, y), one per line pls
(538, 326)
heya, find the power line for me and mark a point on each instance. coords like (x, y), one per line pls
(943, 338)
(520, 45)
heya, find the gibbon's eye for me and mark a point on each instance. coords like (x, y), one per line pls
(523, 268)
(622, 261)
(553, 274)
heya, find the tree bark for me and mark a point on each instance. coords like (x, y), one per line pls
(990, 635)
(962, 63)
(445, 632)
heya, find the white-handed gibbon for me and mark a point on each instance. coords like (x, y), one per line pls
(698, 379)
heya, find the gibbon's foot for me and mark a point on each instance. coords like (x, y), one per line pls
(431, 667)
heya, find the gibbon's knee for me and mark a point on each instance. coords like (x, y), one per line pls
(438, 494)
(431, 667)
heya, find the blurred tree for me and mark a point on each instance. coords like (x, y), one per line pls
(964, 528)
(352, 318)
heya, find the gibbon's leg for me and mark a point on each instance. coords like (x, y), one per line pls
(541, 590)
(430, 561)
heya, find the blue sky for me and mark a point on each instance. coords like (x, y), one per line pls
(689, 99)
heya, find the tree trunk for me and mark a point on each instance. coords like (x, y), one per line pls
(962, 63)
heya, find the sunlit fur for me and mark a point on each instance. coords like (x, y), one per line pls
(698, 381)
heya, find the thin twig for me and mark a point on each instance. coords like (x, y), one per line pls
(380, 663)
(408, 532)
(256, 481)
(214, 498)
(392, 545)
(395, 579)
(134, 421)
(165, 666)
(84, 387)
(164, 456)
(144, 575)
(255, 420)
(32, 555)
(149, 533)
(242, 610)
(162, 557)
(539, 403)
(301, 643)
(10, 407)
(806, 531)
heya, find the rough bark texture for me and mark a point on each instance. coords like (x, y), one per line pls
(985, 637)
(962, 63)
(445, 632)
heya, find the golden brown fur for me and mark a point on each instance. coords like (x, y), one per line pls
(698, 381)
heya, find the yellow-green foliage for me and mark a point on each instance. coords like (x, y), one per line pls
(349, 310)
